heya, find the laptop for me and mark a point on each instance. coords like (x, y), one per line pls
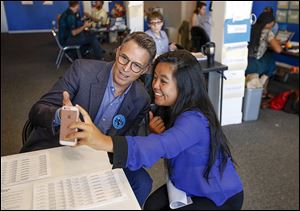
(284, 36)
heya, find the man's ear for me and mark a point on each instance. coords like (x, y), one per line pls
(117, 52)
(146, 69)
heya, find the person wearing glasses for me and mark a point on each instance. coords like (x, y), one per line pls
(155, 22)
(116, 101)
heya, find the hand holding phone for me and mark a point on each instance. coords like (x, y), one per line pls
(69, 114)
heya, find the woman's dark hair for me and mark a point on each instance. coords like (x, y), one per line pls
(192, 95)
(262, 20)
(199, 5)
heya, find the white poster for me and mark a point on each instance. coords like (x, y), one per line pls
(27, 2)
(47, 2)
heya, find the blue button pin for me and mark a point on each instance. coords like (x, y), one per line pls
(119, 121)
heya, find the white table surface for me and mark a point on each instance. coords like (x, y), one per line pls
(72, 161)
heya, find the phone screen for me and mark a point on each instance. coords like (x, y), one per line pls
(67, 117)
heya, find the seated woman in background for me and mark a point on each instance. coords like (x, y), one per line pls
(195, 148)
(260, 63)
(201, 19)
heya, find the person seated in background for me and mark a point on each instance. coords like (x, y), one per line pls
(98, 15)
(201, 19)
(275, 27)
(195, 148)
(261, 65)
(72, 32)
(155, 22)
(201, 27)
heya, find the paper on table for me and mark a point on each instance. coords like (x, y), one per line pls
(78, 192)
(199, 56)
(16, 197)
(28, 167)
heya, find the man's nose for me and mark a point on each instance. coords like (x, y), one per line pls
(127, 67)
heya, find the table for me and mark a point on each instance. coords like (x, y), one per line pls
(219, 68)
(287, 52)
(72, 161)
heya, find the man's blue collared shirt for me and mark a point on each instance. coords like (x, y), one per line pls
(109, 106)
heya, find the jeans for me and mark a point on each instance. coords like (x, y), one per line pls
(84, 39)
(140, 182)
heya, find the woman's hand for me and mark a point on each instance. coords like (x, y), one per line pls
(172, 47)
(156, 124)
(89, 134)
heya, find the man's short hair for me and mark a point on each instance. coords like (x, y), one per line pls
(268, 9)
(154, 15)
(144, 41)
(73, 3)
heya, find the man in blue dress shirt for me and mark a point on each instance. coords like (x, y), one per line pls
(110, 93)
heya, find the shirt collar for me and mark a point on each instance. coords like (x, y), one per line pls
(161, 35)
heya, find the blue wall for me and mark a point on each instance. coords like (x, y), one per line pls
(33, 17)
(257, 9)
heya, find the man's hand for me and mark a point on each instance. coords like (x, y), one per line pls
(156, 124)
(86, 14)
(87, 24)
(89, 134)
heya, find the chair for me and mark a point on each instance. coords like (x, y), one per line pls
(63, 49)
(199, 37)
(27, 129)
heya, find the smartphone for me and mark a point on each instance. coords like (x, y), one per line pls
(69, 114)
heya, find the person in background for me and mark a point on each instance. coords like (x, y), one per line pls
(275, 27)
(155, 22)
(196, 150)
(200, 18)
(110, 92)
(98, 15)
(71, 32)
(261, 65)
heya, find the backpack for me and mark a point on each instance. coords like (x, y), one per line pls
(278, 102)
(292, 104)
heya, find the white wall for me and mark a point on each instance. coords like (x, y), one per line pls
(135, 15)
(3, 19)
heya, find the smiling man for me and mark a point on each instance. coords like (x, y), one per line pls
(110, 93)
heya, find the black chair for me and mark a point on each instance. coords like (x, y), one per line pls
(199, 38)
(27, 129)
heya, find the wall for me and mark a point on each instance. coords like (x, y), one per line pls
(258, 7)
(35, 17)
(3, 19)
